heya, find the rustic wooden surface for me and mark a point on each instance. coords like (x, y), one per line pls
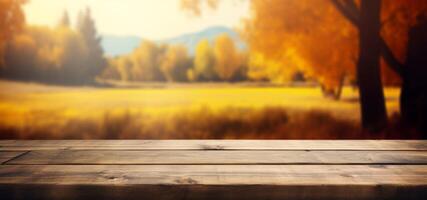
(213, 169)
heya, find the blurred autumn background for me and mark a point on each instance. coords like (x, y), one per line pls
(213, 69)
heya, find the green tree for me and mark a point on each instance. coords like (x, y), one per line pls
(65, 20)
(71, 46)
(86, 27)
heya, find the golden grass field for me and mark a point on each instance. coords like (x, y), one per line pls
(201, 111)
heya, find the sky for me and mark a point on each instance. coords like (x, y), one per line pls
(150, 19)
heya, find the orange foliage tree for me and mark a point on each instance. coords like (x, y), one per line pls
(47, 55)
(12, 20)
(145, 61)
(331, 39)
(292, 36)
(175, 63)
(227, 60)
(369, 18)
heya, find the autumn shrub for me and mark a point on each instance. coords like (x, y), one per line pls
(204, 123)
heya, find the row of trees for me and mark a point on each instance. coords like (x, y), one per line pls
(73, 55)
(60, 55)
(220, 61)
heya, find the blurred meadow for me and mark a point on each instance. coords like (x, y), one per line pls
(179, 111)
(213, 69)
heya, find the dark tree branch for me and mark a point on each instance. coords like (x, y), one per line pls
(349, 10)
(390, 59)
(352, 6)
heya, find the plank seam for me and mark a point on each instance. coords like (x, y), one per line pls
(17, 156)
(124, 149)
(216, 164)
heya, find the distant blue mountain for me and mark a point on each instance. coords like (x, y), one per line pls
(119, 45)
(192, 39)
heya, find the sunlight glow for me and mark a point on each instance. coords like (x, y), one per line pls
(150, 19)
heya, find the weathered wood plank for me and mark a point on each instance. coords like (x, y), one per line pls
(390, 145)
(215, 174)
(7, 155)
(182, 169)
(65, 157)
(214, 182)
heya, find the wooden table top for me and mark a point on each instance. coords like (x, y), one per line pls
(213, 169)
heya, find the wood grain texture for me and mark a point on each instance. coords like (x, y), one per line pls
(213, 169)
(404, 175)
(256, 145)
(213, 182)
(110, 157)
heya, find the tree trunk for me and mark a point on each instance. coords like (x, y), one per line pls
(413, 99)
(374, 115)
